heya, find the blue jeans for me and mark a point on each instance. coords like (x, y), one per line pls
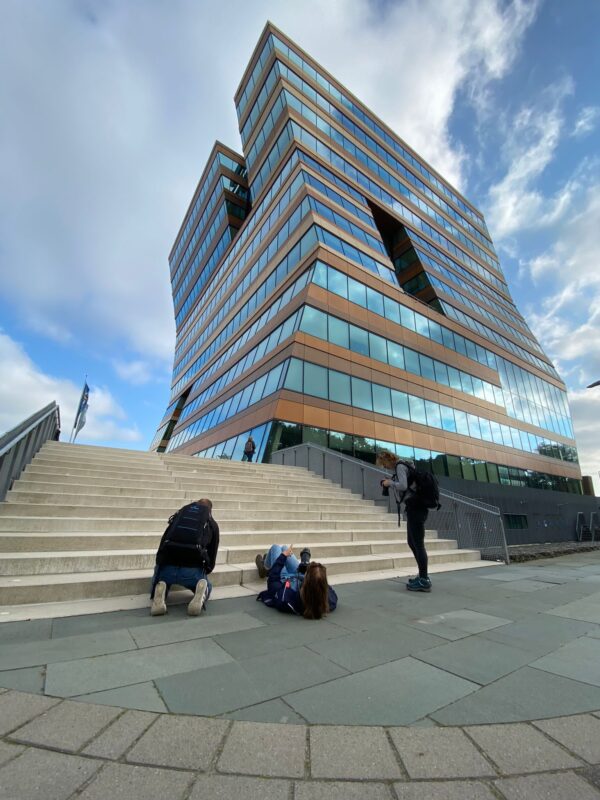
(187, 577)
(290, 569)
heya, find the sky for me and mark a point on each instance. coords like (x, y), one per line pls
(109, 109)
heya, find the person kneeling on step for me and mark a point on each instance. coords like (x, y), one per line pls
(186, 556)
(403, 484)
(297, 587)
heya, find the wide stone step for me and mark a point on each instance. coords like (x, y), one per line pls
(366, 563)
(257, 540)
(179, 498)
(59, 587)
(56, 588)
(82, 561)
(65, 524)
(224, 512)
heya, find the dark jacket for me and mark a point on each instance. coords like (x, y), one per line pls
(189, 556)
(280, 595)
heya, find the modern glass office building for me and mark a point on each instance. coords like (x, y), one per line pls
(329, 286)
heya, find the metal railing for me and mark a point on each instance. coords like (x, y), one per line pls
(18, 446)
(584, 531)
(472, 523)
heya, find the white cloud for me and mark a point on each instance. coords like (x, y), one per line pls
(25, 389)
(136, 372)
(531, 140)
(586, 121)
(114, 107)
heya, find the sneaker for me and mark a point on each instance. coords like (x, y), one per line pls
(419, 585)
(260, 566)
(159, 605)
(414, 579)
(197, 602)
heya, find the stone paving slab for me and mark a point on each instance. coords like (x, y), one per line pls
(125, 781)
(378, 645)
(120, 735)
(520, 748)
(111, 671)
(342, 790)
(8, 751)
(445, 790)
(193, 628)
(547, 787)
(439, 753)
(351, 752)
(226, 787)
(478, 660)
(28, 679)
(140, 696)
(397, 693)
(181, 742)
(523, 695)
(16, 708)
(458, 624)
(229, 686)
(67, 726)
(30, 654)
(45, 775)
(257, 748)
(579, 660)
(580, 734)
(270, 711)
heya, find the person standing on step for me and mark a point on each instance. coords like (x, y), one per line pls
(186, 556)
(403, 485)
(249, 449)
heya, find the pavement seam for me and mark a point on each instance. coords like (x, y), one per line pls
(213, 767)
(396, 754)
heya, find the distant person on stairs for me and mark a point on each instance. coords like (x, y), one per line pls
(295, 587)
(186, 556)
(249, 449)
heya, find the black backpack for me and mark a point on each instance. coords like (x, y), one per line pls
(187, 536)
(427, 490)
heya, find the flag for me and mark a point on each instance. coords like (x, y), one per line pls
(81, 411)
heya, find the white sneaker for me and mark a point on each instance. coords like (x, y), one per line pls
(197, 602)
(159, 606)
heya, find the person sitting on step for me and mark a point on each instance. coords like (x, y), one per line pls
(186, 556)
(296, 587)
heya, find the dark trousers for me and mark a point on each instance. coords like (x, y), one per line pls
(415, 525)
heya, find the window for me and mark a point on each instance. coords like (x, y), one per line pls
(361, 394)
(339, 387)
(515, 521)
(315, 380)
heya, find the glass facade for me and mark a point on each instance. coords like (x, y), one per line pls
(330, 269)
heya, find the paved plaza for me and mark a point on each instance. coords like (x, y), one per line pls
(488, 687)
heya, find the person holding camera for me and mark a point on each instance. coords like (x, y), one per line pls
(296, 586)
(403, 485)
(186, 556)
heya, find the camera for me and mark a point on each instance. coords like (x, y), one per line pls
(384, 489)
(304, 561)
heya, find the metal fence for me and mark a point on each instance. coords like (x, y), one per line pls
(18, 446)
(587, 531)
(472, 523)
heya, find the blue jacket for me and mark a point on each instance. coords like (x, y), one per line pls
(280, 595)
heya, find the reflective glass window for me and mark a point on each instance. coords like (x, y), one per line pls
(315, 380)
(395, 355)
(427, 370)
(377, 348)
(314, 322)
(361, 394)
(432, 410)
(339, 387)
(417, 410)
(357, 293)
(382, 403)
(448, 421)
(400, 405)
(359, 340)
(293, 378)
(411, 360)
(339, 332)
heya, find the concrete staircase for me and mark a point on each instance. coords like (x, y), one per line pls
(84, 523)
